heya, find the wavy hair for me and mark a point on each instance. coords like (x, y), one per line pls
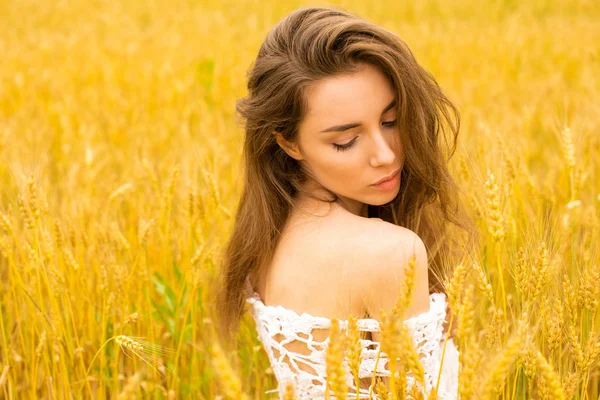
(306, 46)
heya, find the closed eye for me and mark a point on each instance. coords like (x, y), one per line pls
(342, 147)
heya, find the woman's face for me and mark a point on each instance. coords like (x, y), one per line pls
(349, 138)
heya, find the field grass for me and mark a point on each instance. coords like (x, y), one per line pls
(120, 174)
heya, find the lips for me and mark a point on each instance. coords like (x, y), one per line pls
(387, 178)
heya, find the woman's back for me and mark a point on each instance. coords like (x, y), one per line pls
(329, 262)
(324, 268)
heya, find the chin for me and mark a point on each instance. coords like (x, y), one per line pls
(383, 198)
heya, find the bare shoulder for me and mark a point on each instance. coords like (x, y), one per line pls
(385, 250)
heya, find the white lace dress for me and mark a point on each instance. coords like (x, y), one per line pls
(288, 326)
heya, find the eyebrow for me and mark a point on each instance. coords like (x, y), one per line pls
(341, 128)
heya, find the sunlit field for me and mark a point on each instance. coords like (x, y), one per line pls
(120, 174)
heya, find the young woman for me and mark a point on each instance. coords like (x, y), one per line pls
(345, 158)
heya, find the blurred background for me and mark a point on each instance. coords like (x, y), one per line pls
(120, 174)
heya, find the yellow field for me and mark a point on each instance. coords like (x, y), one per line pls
(120, 174)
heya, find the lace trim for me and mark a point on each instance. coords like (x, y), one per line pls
(426, 329)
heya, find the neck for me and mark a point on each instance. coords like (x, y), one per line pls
(314, 205)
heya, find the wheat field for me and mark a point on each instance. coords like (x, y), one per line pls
(120, 174)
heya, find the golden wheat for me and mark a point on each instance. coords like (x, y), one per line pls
(568, 150)
(552, 317)
(470, 361)
(228, 378)
(382, 391)
(589, 288)
(502, 362)
(465, 335)
(3, 377)
(120, 163)
(334, 360)
(493, 207)
(540, 273)
(5, 224)
(550, 385)
(570, 385)
(408, 284)
(354, 351)
(454, 286)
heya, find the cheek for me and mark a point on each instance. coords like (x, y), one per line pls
(335, 169)
(338, 168)
(346, 172)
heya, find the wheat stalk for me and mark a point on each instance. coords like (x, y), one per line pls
(454, 287)
(549, 382)
(501, 364)
(494, 213)
(354, 351)
(4, 376)
(566, 146)
(148, 352)
(540, 272)
(228, 378)
(465, 334)
(5, 224)
(131, 388)
(334, 358)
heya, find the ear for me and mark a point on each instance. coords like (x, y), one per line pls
(290, 148)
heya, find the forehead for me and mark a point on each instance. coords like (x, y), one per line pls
(360, 94)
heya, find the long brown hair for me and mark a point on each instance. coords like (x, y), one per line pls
(306, 46)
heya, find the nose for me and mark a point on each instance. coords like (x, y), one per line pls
(383, 151)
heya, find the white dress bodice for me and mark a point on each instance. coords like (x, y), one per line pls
(289, 326)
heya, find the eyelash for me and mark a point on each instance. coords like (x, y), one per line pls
(342, 147)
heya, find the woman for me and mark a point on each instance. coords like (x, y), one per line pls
(347, 140)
